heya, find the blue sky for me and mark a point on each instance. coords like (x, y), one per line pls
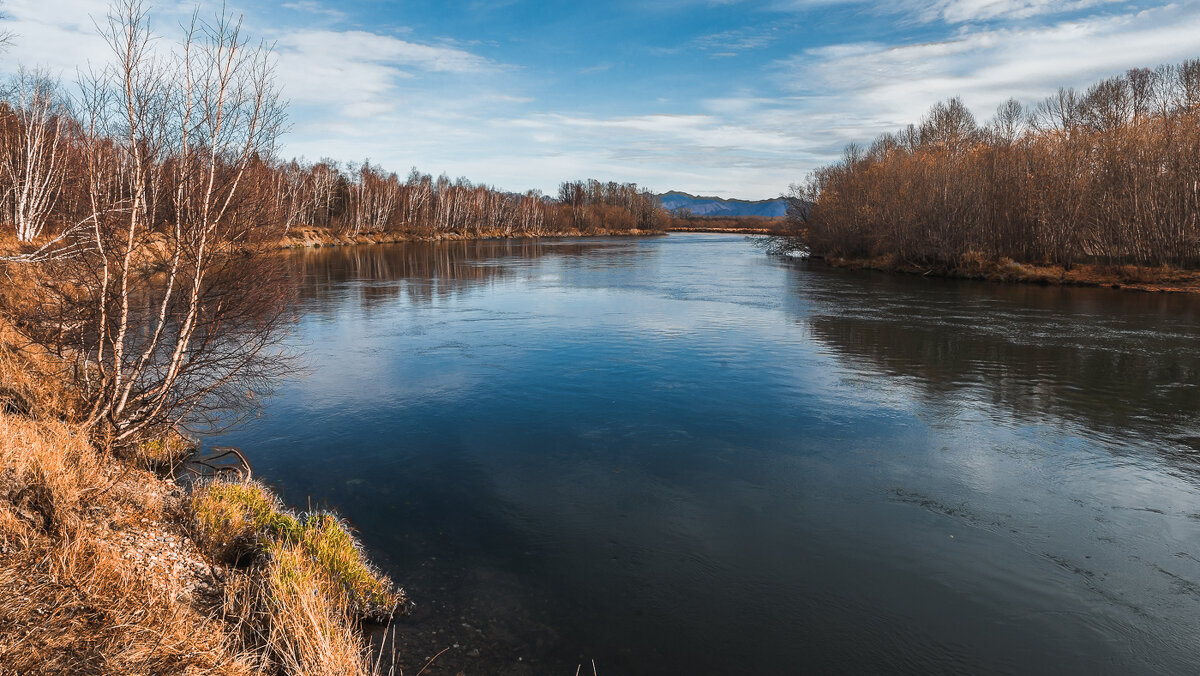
(724, 97)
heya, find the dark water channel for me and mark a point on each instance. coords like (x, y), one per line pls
(681, 455)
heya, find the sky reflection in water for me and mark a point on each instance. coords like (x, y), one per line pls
(680, 455)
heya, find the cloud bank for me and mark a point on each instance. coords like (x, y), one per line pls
(710, 107)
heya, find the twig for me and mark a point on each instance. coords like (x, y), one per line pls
(431, 661)
(46, 252)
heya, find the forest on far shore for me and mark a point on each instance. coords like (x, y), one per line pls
(1109, 176)
(56, 141)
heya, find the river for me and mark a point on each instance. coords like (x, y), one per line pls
(681, 455)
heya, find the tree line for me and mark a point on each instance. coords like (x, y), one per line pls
(50, 144)
(1109, 175)
(358, 199)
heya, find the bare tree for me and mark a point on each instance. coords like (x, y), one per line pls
(32, 157)
(169, 313)
(1108, 177)
(1008, 124)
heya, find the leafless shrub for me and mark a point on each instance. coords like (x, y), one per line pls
(170, 312)
(1107, 176)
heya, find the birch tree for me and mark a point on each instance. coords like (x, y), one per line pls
(170, 312)
(33, 157)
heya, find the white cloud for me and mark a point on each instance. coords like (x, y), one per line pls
(738, 40)
(874, 87)
(959, 11)
(311, 7)
(61, 40)
(956, 11)
(358, 74)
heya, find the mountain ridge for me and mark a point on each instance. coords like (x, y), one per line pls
(702, 205)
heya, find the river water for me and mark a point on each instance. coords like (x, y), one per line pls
(682, 455)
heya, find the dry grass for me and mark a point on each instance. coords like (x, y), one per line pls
(48, 474)
(292, 615)
(70, 600)
(748, 225)
(103, 565)
(32, 381)
(161, 453)
(317, 237)
(74, 600)
(76, 606)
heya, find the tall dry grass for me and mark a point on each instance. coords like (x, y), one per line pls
(72, 602)
(288, 612)
(291, 591)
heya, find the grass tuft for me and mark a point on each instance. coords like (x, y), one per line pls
(307, 582)
(329, 542)
(308, 625)
(243, 522)
(234, 522)
(161, 453)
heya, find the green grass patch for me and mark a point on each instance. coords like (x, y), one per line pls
(244, 523)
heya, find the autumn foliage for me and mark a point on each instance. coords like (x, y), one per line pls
(1109, 176)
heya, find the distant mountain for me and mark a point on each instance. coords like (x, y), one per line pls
(716, 206)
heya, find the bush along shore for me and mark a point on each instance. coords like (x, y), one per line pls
(316, 237)
(1095, 187)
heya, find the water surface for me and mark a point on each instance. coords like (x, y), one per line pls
(680, 455)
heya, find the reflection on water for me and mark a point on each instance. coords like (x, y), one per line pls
(678, 455)
(425, 271)
(1118, 363)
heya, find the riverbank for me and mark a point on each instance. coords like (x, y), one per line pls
(728, 225)
(108, 564)
(109, 557)
(1163, 279)
(308, 237)
(726, 231)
